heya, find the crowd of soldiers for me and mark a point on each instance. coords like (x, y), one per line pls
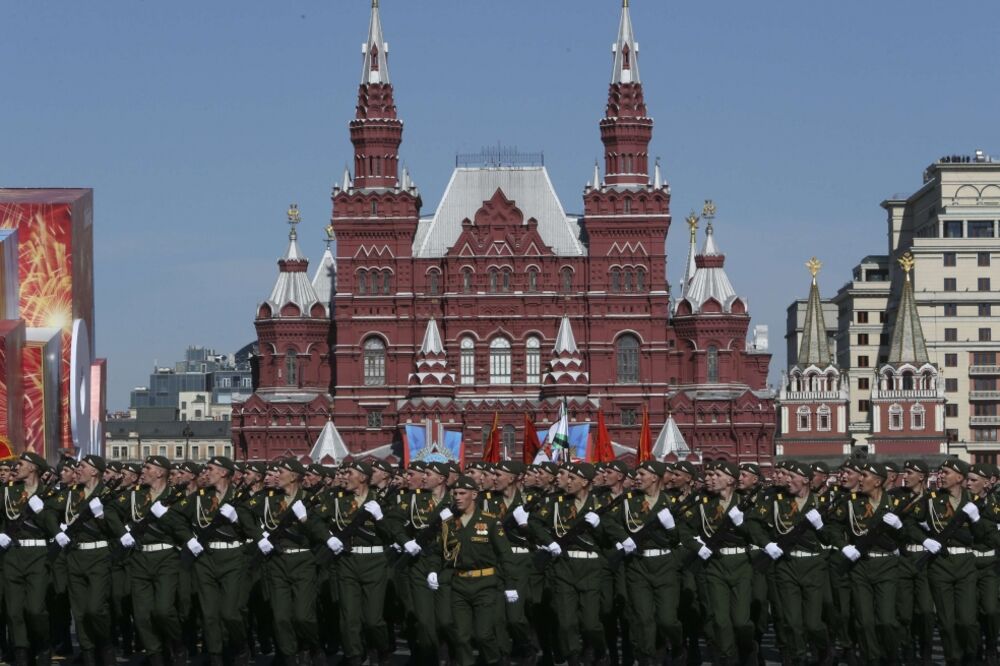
(574, 563)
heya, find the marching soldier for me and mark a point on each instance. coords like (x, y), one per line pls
(915, 608)
(986, 542)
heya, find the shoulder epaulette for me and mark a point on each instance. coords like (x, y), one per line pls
(704, 500)
(201, 491)
(780, 496)
(629, 495)
(933, 494)
(854, 496)
(340, 493)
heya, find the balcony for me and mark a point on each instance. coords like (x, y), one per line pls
(984, 420)
(915, 394)
(984, 370)
(984, 395)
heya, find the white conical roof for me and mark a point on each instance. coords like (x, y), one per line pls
(565, 340)
(293, 285)
(329, 445)
(376, 51)
(325, 279)
(670, 440)
(710, 279)
(626, 51)
(432, 339)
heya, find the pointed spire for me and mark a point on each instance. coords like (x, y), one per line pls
(293, 253)
(432, 340)
(346, 185)
(657, 176)
(626, 51)
(671, 442)
(708, 212)
(376, 51)
(908, 344)
(565, 340)
(597, 176)
(690, 268)
(815, 348)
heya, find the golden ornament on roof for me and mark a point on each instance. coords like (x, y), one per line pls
(814, 265)
(692, 221)
(906, 262)
(329, 233)
(293, 214)
(708, 211)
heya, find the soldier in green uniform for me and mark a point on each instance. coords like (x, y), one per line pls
(915, 609)
(750, 487)
(985, 545)
(122, 621)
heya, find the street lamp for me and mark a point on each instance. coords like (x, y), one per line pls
(187, 432)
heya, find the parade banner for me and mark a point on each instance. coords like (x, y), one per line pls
(579, 439)
(11, 391)
(41, 361)
(430, 442)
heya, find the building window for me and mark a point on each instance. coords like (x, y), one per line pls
(895, 417)
(533, 360)
(433, 282)
(864, 383)
(567, 279)
(985, 310)
(508, 438)
(500, 361)
(375, 418)
(951, 385)
(951, 335)
(864, 406)
(862, 338)
(862, 317)
(374, 362)
(616, 280)
(386, 282)
(712, 364)
(985, 335)
(627, 353)
(532, 279)
(950, 310)
(628, 205)
(862, 361)
(494, 280)
(374, 208)
(362, 282)
(950, 259)
(983, 284)
(917, 414)
(628, 281)
(628, 416)
(211, 450)
(983, 259)
(951, 360)
(179, 452)
(981, 229)
(506, 280)
(823, 418)
(950, 284)
(953, 229)
(468, 361)
(291, 368)
(466, 281)
(984, 434)
(984, 358)
(951, 410)
(640, 280)
(804, 418)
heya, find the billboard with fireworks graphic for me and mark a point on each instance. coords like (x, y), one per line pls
(11, 391)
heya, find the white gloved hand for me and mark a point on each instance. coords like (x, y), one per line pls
(158, 509)
(736, 516)
(374, 509)
(773, 550)
(815, 519)
(520, 516)
(265, 546)
(592, 519)
(432, 581)
(195, 547)
(299, 509)
(96, 507)
(446, 514)
(704, 553)
(335, 544)
(628, 546)
(127, 541)
(5, 541)
(412, 547)
(851, 553)
(511, 596)
(931, 546)
(666, 519)
(893, 521)
(554, 549)
(228, 512)
(972, 511)
(36, 504)
(62, 539)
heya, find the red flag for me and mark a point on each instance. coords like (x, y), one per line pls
(603, 451)
(645, 451)
(531, 444)
(491, 453)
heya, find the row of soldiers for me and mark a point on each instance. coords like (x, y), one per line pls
(574, 563)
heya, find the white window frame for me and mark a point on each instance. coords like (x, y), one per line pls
(500, 361)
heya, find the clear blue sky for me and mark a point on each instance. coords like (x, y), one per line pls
(196, 123)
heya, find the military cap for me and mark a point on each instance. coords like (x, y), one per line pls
(97, 462)
(378, 463)
(800, 468)
(418, 466)
(727, 468)
(918, 466)
(753, 468)
(465, 483)
(582, 470)
(132, 467)
(189, 467)
(67, 461)
(438, 468)
(454, 467)
(548, 467)
(618, 466)
(956, 465)
(821, 468)
(476, 466)
(687, 468)
(361, 466)
(292, 465)
(876, 468)
(36, 460)
(241, 467)
(258, 467)
(980, 469)
(514, 467)
(114, 466)
(852, 464)
(654, 467)
(316, 469)
(223, 462)
(892, 466)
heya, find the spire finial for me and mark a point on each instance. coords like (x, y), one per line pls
(692, 221)
(375, 51)
(814, 265)
(330, 235)
(708, 210)
(625, 4)
(626, 51)
(293, 219)
(906, 262)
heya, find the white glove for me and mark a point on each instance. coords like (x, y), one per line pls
(412, 547)
(592, 519)
(972, 511)
(815, 519)
(446, 514)
(158, 509)
(195, 547)
(893, 521)
(127, 540)
(432, 581)
(335, 544)
(36, 504)
(62, 539)
(927, 528)
(851, 553)
(736, 516)
(931, 546)
(628, 545)
(704, 553)
(521, 516)
(96, 507)
(5, 541)
(299, 509)
(511, 596)
(374, 509)
(773, 550)
(265, 546)
(666, 519)
(554, 549)
(228, 512)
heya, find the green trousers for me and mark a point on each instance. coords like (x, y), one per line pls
(576, 596)
(292, 585)
(952, 579)
(873, 606)
(799, 585)
(728, 587)
(654, 589)
(153, 577)
(987, 593)
(474, 603)
(361, 584)
(26, 578)
(519, 634)
(423, 613)
(915, 608)
(90, 595)
(219, 576)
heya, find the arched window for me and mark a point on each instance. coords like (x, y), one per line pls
(616, 280)
(507, 437)
(499, 361)
(823, 418)
(895, 417)
(433, 283)
(533, 360)
(362, 282)
(626, 57)
(386, 282)
(467, 365)
(467, 280)
(629, 281)
(628, 205)
(494, 279)
(917, 414)
(640, 280)
(532, 279)
(712, 364)
(567, 279)
(291, 368)
(506, 280)
(627, 352)
(374, 208)
(907, 381)
(374, 362)
(804, 417)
